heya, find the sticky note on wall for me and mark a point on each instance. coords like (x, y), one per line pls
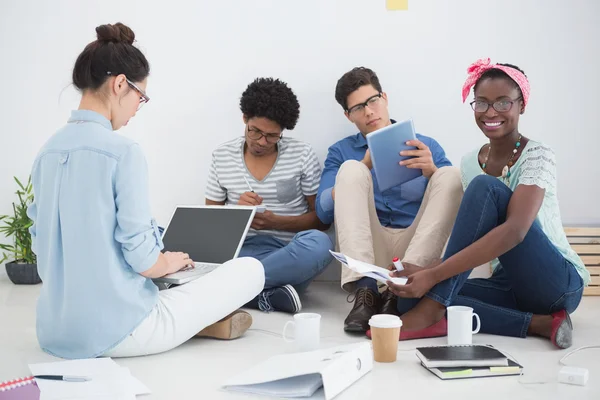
(397, 4)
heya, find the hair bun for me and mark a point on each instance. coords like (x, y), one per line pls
(117, 33)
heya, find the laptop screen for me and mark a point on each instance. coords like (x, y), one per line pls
(208, 235)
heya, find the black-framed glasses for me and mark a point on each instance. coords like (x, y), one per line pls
(257, 134)
(143, 96)
(500, 105)
(372, 102)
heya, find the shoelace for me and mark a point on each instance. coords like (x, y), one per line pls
(362, 296)
(263, 301)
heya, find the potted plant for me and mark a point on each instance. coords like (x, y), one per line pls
(22, 268)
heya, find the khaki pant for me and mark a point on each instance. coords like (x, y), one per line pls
(361, 236)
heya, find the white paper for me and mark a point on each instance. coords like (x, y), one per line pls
(108, 380)
(366, 269)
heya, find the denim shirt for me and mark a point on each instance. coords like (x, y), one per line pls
(396, 207)
(93, 235)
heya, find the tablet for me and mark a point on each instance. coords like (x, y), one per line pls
(385, 145)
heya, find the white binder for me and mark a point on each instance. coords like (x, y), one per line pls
(302, 375)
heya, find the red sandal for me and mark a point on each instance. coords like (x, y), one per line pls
(562, 330)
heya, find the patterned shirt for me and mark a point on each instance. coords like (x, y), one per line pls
(536, 166)
(294, 176)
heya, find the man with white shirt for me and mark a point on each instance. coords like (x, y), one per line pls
(282, 174)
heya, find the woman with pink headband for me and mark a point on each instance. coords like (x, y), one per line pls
(509, 216)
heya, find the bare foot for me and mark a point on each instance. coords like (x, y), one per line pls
(426, 313)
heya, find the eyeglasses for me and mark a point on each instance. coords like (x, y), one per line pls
(372, 102)
(501, 106)
(143, 96)
(257, 134)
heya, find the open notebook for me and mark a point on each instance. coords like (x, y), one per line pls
(366, 269)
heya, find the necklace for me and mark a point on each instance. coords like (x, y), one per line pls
(509, 164)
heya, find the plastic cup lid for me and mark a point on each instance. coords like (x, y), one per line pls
(385, 321)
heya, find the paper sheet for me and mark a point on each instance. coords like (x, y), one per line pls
(108, 380)
(366, 269)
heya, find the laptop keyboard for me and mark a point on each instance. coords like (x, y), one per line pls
(197, 268)
(205, 267)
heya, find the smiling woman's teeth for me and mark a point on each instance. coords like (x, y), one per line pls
(492, 124)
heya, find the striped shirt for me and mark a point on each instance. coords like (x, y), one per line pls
(295, 175)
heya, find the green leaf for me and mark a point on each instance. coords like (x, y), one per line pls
(17, 226)
(19, 183)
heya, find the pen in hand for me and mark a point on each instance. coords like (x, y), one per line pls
(248, 183)
(65, 378)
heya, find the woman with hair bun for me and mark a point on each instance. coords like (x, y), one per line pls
(98, 246)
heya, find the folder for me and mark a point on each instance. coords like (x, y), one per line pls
(303, 375)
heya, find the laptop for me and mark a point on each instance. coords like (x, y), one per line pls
(211, 235)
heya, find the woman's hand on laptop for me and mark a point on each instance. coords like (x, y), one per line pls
(176, 261)
(250, 199)
(168, 263)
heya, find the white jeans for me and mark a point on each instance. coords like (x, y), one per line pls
(185, 310)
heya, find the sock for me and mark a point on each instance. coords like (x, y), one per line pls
(368, 283)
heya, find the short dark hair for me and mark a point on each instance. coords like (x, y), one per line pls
(272, 99)
(495, 73)
(111, 54)
(351, 81)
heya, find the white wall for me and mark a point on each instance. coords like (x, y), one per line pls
(204, 53)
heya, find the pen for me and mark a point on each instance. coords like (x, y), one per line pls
(65, 378)
(248, 183)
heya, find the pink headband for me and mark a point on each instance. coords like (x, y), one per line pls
(477, 69)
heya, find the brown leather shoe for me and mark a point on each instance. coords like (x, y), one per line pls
(389, 303)
(231, 327)
(366, 304)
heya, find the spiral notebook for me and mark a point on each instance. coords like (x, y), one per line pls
(19, 389)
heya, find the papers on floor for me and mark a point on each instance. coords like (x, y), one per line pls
(108, 380)
(366, 269)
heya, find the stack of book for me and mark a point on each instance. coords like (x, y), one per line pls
(469, 361)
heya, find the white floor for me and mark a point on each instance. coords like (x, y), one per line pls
(196, 369)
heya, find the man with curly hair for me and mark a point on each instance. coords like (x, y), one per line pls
(282, 174)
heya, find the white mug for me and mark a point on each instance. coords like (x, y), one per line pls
(307, 331)
(460, 325)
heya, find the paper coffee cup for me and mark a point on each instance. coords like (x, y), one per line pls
(385, 333)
